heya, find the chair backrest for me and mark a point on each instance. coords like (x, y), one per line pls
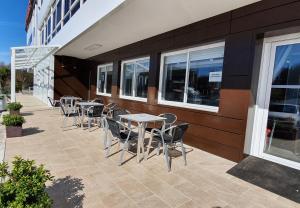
(51, 102)
(170, 119)
(119, 111)
(62, 107)
(98, 100)
(114, 127)
(97, 111)
(179, 131)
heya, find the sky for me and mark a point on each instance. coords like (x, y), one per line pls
(12, 26)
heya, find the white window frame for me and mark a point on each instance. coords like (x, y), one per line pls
(184, 104)
(133, 81)
(105, 84)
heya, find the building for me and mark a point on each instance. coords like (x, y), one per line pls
(230, 69)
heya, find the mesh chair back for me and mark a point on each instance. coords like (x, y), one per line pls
(119, 111)
(62, 108)
(97, 111)
(170, 119)
(114, 127)
(98, 100)
(179, 131)
(51, 102)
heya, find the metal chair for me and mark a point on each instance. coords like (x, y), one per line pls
(53, 103)
(170, 119)
(98, 100)
(94, 113)
(66, 115)
(125, 138)
(169, 140)
(117, 112)
(108, 109)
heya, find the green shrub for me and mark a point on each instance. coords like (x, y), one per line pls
(24, 186)
(14, 106)
(2, 97)
(13, 120)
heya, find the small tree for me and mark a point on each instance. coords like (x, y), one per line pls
(4, 75)
(24, 79)
(24, 186)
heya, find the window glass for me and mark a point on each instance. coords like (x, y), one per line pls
(128, 72)
(58, 9)
(104, 79)
(205, 74)
(75, 8)
(109, 80)
(67, 6)
(194, 76)
(142, 74)
(174, 77)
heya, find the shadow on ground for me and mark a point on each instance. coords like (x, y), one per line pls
(31, 131)
(67, 192)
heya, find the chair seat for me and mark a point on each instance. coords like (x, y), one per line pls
(124, 134)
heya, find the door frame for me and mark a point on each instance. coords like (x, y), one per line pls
(263, 97)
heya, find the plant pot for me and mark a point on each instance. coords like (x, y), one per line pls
(14, 112)
(13, 131)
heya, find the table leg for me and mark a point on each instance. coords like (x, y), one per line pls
(140, 140)
(82, 114)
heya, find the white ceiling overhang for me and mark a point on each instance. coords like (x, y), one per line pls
(29, 56)
(135, 20)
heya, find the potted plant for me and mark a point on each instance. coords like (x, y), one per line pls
(14, 108)
(2, 103)
(13, 125)
(24, 185)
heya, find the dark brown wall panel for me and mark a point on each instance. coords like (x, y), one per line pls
(273, 16)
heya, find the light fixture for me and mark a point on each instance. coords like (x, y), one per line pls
(93, 47)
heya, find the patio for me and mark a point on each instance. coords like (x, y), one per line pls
(84, 178)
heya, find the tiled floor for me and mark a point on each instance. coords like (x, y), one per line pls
(84, 178)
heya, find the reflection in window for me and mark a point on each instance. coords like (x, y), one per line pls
(104, 82)
(193, 76)
(135, 75)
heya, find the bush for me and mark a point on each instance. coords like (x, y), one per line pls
(13, 120)
(14, 106)
(24, 186)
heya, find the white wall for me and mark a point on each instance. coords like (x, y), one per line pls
(88, 14)
(44, 80)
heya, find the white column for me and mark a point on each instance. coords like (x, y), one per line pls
(13, 76)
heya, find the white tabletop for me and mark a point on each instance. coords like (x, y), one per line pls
(142, 117)
(70, 97)
(90, 104)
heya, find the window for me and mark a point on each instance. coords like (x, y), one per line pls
(71, 7)
(192, 78)
(56, 18)
(134, 79)
(42, 37)
(104, 79)
(48, 27)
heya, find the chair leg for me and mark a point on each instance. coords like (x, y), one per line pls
(105, 139)
(158, 148)
(64, 122)
(108, 146)
(124, 147)
(166, 155)
(183, 153)
(89, 123)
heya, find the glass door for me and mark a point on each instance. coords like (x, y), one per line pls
(282, 101)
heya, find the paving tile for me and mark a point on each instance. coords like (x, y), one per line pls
(85, 178)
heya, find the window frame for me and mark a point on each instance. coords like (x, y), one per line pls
(134, 80)
(105, 83)
(184, 104)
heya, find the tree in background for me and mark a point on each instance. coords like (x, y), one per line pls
(24, 80)
(4, 77)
